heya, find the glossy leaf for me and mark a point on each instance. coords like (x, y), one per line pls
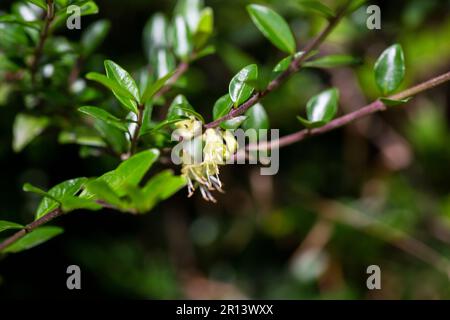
(239, 89)
(180, 107)
(104, 115)
(124, 79)
(321, 108)
(182, 38)
(7, 225)
(190, 10)
(273, 26)
(58, 192)
(256, 118)
(222, 106)
(94, 35)
(390, 69)
(34, 238)
(163, 62)
(155, 35)
(233, 123)
(112, 85)
(332, 61)
(26, 128)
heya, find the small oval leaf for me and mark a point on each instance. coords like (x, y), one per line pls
(273, 27)
(390, 69)
(321, 108)
(240, 90)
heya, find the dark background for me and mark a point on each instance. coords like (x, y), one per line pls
(257, 241)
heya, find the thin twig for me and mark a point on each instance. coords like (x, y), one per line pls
(179, 71)
(293, 68)
(358, 114)
(49, 17)
(30, 227)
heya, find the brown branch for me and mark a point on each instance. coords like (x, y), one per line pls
(30, 227)
(50, 15)
(293, 68)
(179, 71)
(345, 119)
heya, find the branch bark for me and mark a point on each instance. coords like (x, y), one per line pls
(345, 119)
(30, 227)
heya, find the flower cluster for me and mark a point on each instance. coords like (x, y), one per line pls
(214, 147)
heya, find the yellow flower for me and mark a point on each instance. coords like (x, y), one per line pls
(219, 146)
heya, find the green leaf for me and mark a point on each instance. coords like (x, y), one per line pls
(75, 203)
(222, 106)
(156, 45)
(332, 61)
(86, 8)
(190, 10)
(158, 188)
(123, 78)
(11, 18)
(81, 136)
(321, 108)
(34, 238)
(355, 5)
(284, 64)
(390, 69)
(7, 225)
(180, 107)
(256, 118)
(233, 123)
(113, 136)
(394, 103)
(28, 187)
(239, 89)
(129, 172)
(102, 191)
(316, 7)
(104, 115)
(182, 38)
(123, 95)
(273, 26)
(26, 128)
(205, 28)
(155, 35)
(56, 195)
(94, 35)
(206, 51)
(153, 88)
(40, 3)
